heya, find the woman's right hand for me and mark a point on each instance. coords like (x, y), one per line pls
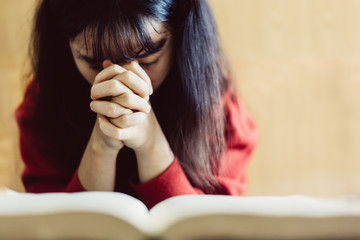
(97, 168)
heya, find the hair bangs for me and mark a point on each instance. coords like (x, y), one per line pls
(119, 40)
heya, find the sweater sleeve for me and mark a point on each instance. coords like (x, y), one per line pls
(241, 139)
(43, 172)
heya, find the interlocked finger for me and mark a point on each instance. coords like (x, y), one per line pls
(135, 83)
(109, 109)
(108, 88)
(129, 120)
(133, 102)
(114, 132)
(108, 73)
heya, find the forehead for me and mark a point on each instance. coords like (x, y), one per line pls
(83, 42)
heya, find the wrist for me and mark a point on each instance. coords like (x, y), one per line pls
(99, 146)
(96, 171)
(155, 137)
(153, 145)
(153, 158)
(102, 144)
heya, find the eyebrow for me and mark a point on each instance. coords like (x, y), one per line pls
(159, 46)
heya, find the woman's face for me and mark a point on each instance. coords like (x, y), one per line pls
(156, 65)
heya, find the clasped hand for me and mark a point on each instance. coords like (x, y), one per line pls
(120, 97)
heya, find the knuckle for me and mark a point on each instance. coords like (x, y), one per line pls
(141, 116)
(115, 68)
(147, 107)
(132, 75)
(127, 74)
(112, 110)
(118, 134)
(124, 120)
(126, 97)
(101, 126)
(132, 63)
(123, 76)
(113, 85)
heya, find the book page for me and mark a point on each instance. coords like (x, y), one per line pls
(6, 191)
(248, 212)
(92, 207)
(111, 203)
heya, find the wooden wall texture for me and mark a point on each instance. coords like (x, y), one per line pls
(297, 66)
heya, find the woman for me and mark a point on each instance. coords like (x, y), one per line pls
(163, 117)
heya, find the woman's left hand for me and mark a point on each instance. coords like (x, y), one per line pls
(135, 123)
(136, 126)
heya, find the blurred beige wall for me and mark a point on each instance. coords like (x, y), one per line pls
(15, 17)
(297, 66)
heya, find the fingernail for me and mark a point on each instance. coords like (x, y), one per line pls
(91, 104)
(99, 119)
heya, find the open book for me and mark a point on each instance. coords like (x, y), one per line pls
(107, 215)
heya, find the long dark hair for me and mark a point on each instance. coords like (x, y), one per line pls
(192, 116)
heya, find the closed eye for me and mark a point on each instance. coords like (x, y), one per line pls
(93, 63)
(147, 65)
(96, 66)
